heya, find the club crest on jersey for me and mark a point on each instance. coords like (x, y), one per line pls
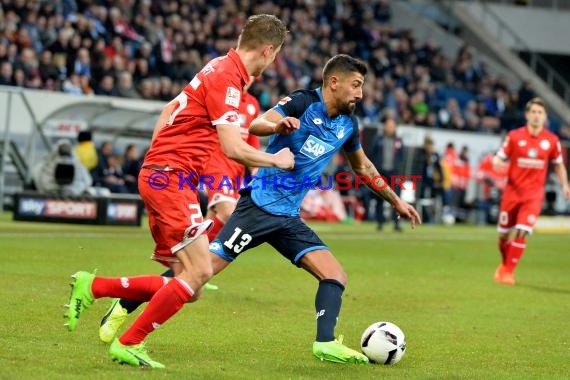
(215, 246)
(340, 133)
(233, 96)
(532, 153)
(545, 144)
(314, 148)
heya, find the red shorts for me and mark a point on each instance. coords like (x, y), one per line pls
(519, 214)
(171, 211)
(222, 189)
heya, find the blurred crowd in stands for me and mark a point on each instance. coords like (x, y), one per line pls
(150, 49)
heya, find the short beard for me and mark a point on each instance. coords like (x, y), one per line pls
(347, 108)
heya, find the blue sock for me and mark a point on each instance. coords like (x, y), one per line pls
(327, 305)
(132, 305)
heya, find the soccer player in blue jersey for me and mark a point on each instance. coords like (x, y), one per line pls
(314, 125)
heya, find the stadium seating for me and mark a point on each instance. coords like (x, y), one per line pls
(150, 50)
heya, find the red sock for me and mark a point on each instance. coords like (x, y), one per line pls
(218, 225)
(514, 253)
(163, 305)
(140, 288)
(503, 247)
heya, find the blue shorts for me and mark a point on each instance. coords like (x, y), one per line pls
(250, 226)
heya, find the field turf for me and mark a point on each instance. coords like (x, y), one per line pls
(434, 282)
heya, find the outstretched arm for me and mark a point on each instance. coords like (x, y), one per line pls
(362, 166)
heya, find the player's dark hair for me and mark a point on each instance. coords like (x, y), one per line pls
(535, 101)
(262, 29)
(342, 64)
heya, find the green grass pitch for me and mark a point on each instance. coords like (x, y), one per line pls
(434, 282)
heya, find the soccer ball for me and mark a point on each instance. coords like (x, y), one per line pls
(448, 219)
(383, 342)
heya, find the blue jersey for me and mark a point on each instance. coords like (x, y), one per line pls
(280, 192)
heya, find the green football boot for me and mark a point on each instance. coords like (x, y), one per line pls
(136, 355)
(81, 297)
(335, 351)
(112, 321)
(209, 286)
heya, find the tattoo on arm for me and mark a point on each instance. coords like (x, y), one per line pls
(379, 186)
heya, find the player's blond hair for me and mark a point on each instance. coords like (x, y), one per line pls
(535, 101)
(261, 30)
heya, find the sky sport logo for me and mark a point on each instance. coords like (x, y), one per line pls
(342, 181)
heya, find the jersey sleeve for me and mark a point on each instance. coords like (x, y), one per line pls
(507, 147)
(556, 152)
(223, 97)
(353, 142)
(294, 105)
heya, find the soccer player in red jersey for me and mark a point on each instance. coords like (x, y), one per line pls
(529, 149)
(221, 180)
(190, 127)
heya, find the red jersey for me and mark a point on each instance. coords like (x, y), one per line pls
(450, 157)
(220, 164)
(529, 156)
(461, 174)
(488, 176)
(212, 97)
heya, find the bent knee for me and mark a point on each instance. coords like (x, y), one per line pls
(324, 266)
(205, 275)
(339, 276)
(342, 278)
(196, 279)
